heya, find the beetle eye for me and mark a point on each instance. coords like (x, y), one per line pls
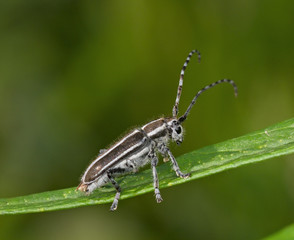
(178, 130)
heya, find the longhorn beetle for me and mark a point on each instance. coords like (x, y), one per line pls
(141, 147)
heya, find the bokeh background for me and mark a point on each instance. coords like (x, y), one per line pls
(75, 75)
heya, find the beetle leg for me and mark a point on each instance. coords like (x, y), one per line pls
(154, 161)
(175, 164)
(110, 173)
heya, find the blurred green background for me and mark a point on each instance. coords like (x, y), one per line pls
(75, 75)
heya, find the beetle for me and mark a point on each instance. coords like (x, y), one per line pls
(142, 145)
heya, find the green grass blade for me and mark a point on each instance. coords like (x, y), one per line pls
(271, 142)
(285, 234)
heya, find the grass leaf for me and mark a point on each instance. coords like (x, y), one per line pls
(271, 142)
(286, 233)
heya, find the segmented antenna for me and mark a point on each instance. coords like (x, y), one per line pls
(183, 118)
(176, 106)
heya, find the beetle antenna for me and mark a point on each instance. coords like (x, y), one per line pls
(176, 106)
(183, 118)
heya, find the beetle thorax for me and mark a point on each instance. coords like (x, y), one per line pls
(164, 129)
